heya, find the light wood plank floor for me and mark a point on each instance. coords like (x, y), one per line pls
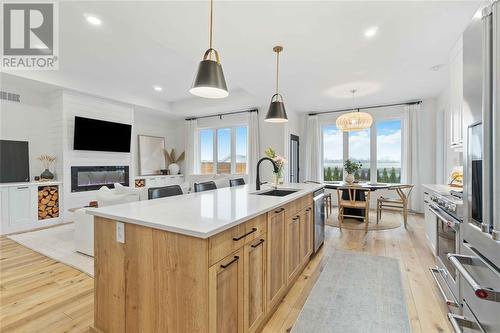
(39, 295)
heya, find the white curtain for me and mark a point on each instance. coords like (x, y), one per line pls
(414, 155)
(253, 144)
(191, 142)
(313, 150)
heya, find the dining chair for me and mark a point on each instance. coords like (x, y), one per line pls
(205, 186)
(165, 191)
(399, 203)
(357, 198)
(236, 182)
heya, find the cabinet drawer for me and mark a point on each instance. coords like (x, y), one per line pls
(228, 241)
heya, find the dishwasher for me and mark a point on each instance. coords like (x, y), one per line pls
(319, 218)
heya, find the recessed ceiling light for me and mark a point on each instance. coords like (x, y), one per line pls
(371, 31)
(94, 20)
(157, 88)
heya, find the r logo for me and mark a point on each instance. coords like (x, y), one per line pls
(28, 29)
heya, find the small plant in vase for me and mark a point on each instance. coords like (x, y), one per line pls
(351, 167)
(172, 162)
(280, 162)
(47, 162)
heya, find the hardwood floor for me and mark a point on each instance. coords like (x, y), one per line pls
(38, 294)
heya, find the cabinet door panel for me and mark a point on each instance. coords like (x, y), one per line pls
(22, 202)
(255, 283)
(292, 247)
(275, 257)
(305, 234)
(226, 294)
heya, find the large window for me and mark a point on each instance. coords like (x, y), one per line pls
(359, 151)
(389, 151)
(383, 141)
(332, 153)
(227, 146)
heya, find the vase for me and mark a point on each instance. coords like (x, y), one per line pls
(46, 174)
(174, 168)
(349, 178)
(276, 179)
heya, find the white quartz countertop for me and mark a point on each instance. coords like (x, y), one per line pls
(441, 188)
(202, 214)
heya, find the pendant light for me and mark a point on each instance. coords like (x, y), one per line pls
(209, 81)
(355, 120)
(277, 113)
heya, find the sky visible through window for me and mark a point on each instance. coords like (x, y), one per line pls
(224, 144)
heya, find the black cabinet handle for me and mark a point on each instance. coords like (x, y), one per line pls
(231, 262)
(296, 218)
(426, 201)
(243, 236)
(256, 245)
(426, 192)
(279, 210)
(308, 209)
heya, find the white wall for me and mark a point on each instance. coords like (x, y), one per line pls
(32, 120)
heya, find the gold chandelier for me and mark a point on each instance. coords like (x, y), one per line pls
(355, 120)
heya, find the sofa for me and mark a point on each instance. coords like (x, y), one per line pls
(84, 223)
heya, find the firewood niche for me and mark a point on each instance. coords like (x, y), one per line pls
(48, 202)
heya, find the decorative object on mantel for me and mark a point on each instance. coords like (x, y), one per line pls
(276, 112)
(209, 81)
(280, 162)
(140, 182)
(173, 163)
(351, 168)
(47, 161)
(355, 120)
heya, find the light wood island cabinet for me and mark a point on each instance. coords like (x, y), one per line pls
(232, 282)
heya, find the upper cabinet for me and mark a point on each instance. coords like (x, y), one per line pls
(456, 96)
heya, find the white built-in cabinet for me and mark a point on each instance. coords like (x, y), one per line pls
(21, 208)
(430, 223)
(456, 96)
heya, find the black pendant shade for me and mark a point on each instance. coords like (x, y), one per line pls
(209, 81)
(276, 112)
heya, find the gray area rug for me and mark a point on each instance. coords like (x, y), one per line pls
(356, 293)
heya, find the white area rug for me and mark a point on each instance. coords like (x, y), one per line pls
(57, 243)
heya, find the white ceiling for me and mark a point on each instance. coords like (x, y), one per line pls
(141, 44)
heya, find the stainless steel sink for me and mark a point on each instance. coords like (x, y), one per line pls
(277, 193)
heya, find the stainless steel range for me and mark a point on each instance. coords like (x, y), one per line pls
(449, 212)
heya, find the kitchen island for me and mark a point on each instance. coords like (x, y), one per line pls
(215, 261)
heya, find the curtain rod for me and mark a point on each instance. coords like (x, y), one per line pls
(220, 115)
(366, 107)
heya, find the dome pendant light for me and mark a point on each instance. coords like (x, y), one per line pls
(277, 113)
(209, 81)
(355, 120)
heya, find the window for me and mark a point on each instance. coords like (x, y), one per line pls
(379, 149)
(227, 146)
(359, 151)
(389, 151)
(332, 153)
(207, 151)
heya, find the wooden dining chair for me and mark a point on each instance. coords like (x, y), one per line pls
(353, 201)
(400, 203)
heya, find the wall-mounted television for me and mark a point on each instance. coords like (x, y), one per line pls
(99, 135)
(14, 161)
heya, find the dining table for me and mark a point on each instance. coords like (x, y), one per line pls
(360, 195)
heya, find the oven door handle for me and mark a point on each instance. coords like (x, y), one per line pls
(448, 301)
(458, 261)
(441, 216)
(457, 322)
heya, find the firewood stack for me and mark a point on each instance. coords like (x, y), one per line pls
(48, 202)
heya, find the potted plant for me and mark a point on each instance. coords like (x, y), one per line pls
(47, 161)
(351, 168)
(280, 162)
(172, 162)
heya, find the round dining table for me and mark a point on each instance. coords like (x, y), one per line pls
(360, 196)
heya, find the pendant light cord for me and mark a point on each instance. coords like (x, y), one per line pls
(277, 71)
(211, 23)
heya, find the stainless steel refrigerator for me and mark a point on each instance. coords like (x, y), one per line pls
(478, 262)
